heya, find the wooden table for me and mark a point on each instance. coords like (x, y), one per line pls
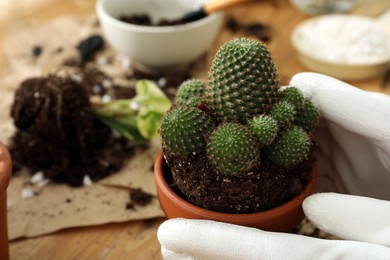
(137, 239)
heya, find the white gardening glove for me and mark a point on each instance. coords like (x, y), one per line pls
(354, 135)
(350, 217)
(205, 239)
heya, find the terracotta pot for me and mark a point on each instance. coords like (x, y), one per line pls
(5, 175)
(283, 218)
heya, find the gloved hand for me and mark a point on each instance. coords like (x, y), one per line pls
(354, 136)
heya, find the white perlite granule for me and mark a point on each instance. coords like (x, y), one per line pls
(87, 181)
(346, 39)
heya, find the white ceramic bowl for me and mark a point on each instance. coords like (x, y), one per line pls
(343, 67)
(157, 47)
(315, 7)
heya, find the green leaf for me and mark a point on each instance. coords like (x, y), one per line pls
(128, 131)
(137, 118)
(148, 121)
(149, 94)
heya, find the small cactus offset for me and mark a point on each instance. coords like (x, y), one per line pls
(191, 92)
(290, 148)
(293, 96)
(265, 128)
(307, 116)
(243, 81)
(183, 130)
(284, 113)
(233, 150)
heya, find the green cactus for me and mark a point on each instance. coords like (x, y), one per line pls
(243, 81)
(290, 148)
(307, 116)
(284, 113)
(238, 138)
(191, 92)
(233, 150)
(293, 96)
(265, 129)
(183, 130)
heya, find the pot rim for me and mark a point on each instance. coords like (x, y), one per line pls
(264, 215)
(5, 168)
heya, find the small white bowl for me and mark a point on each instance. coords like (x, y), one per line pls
(346, 67)
(158, 47)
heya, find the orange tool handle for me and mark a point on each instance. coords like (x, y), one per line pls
(217, 5)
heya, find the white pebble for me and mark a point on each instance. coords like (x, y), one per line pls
(27, 193)
(135, 105)
(37, 177)
(161, 82)
(43, 183)
(76, 78)
(87, 181)
(106, 99)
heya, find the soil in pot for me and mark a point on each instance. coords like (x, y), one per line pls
(194, 179)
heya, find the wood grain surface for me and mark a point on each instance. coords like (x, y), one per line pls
(137, 240)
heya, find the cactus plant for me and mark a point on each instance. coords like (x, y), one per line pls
(265, 128)
(243, 81)
(183, 130)
(233, 150)
(243, 135)
(191, 92)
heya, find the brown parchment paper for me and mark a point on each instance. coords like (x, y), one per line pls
(55, 206)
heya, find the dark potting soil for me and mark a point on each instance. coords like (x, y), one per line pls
(259, 30)
(89, 46)
(144, 19)
(58, 135)
(56, 131)
(264, 188)
(138, 197)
